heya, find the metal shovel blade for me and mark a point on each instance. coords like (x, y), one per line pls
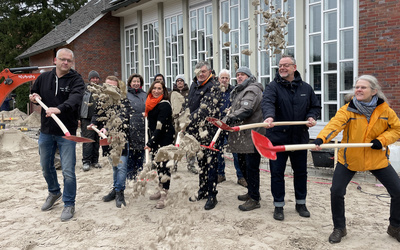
(263, 145)
(78, 139)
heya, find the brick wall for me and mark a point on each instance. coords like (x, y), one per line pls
(379, 41)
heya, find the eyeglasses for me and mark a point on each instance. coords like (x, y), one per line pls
(179, 80)
(286, 65)
(65, 60)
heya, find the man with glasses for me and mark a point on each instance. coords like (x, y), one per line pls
(289, 98)
(61, 90)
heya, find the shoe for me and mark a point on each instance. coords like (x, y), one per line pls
(394, 232)
(244, 197)
(50, 200)
(211, 203)
(96, 165)
(278, 213)
(110, 196)
(86, 167)
(221, 178)
(242, 181)
(119, 198)
(161, 202)
(155, 196)
(197, 197)
(67, 213)
(192, 169)
(250, 204)
(337, 234)
(302, 210)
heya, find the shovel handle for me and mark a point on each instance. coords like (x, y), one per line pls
(266, 125)
(338, 145)
(102, 135)
(56, 119)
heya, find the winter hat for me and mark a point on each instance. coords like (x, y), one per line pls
(180, 77)
(93, 73)
(244, 70)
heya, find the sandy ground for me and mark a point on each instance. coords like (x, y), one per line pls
(182, 224)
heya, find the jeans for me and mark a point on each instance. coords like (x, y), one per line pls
(298, 160)
(208, 173)
(341, 178)
(119, 173)
(135, 163)
(90, 151)
(239, 173)
(47, 149)
(251, 164)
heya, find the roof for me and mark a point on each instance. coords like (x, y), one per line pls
(71, 28)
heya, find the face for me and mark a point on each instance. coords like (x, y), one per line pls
(363, 91)
(95, 80)
(286, 68)
(63, 61)
(224, 79)
(111, 82)
(157, 90)
(180, 83)
(203, 73)
(135, 83)
(240, 77)
(159, 78)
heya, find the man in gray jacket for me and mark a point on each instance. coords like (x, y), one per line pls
(246, 109)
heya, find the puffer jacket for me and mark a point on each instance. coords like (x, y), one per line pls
(384, 125)
(246, 109)
(289, 101)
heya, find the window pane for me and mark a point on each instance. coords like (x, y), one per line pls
(168, 46)
(234, 22)
(315, 18)
(180, 45)
(346, 44)
(194, 49)
(234, 42)
(244, 32)
(329, 4)
(209, 24)
(289, 6)
(264, 60)
(225, 12)
(330, 26)
(193, 28)
(225, 59)
(315, 48)
(315, 77)
(234, 65)
(244, 58)
(330, 87)
(330, 56)
(174, 33)
(209, 46)
(347, 13)
(167, 27)
(201, 41)
(290, 35)
(244, 9)
(180, 24)
(330, 111)
(347, 75)
(174, 52)
(201, 19)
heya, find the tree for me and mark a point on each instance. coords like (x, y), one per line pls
(22, 23)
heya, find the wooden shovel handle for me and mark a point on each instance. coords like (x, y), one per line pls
(56, 119)
(102, 135)
(262, 124)
(339, 145)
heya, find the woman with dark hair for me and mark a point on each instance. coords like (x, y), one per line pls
(367, 118)
(137, 99)
(161, 130)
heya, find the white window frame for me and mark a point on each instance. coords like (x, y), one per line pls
(151, 64)
(131, 51)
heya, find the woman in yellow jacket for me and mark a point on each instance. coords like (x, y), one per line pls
(367, 118)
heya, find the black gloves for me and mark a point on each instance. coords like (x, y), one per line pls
(318, 141)
(376, 144)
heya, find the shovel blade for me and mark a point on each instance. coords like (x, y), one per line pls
(209, 147)
(104, 142)
(263, 145)
(78, 139)
(220, 124)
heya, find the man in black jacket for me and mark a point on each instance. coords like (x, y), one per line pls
(204, 101)
(61, 90)
(288, 98)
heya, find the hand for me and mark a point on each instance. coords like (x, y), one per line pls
(104, 131)
(51, 111)
(317, 143)
(89, 127)
(376, 144)
(33, 96)
(270, 122)
(311, 122)
(147, 148)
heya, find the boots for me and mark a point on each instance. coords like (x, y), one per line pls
(161, 201)
(110, 196)
(119, 199)
(156, 195)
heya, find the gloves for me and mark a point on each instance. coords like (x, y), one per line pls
(376, 144)
(318, 141)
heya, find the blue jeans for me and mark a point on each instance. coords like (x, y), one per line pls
(250, 163)
(298, 160)
(119, 172)
(239, 173)
(135, 163)
(341, 178)
(47, 149)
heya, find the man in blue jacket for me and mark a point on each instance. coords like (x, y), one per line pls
(288, 98)
(61, 90)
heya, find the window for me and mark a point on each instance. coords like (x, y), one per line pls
(131, 48)
(235, 43)
(331, 52)
(173, 49)
(267, 60)
(201, 39)
(151, 60)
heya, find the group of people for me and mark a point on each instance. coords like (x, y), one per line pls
(366, 118)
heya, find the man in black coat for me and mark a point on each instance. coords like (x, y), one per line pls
(204, 101)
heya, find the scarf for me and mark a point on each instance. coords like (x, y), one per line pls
(151, 102)
(201, 84)
(366, 108)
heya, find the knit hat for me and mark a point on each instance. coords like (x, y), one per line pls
(244, 70)
(93, 73)
(180, 77)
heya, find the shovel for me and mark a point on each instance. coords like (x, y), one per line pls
(104, 140)
(265, 148)
(67, 136)
(220, 124)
